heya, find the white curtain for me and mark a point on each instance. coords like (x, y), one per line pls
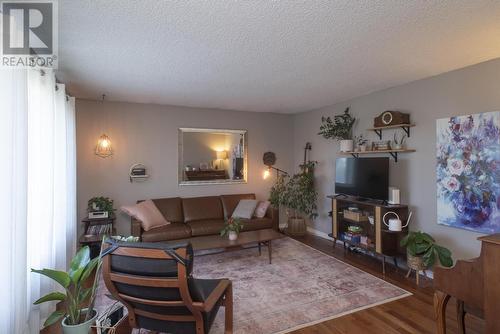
(38, 193)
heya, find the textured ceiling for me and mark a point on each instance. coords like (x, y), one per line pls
(274, 56)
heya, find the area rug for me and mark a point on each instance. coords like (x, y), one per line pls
(301, 287)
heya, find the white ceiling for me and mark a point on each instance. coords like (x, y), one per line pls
(271, 56)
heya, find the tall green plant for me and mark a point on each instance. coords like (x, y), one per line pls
(339, 128)
(81, 267)
(422, 244)
(297, 193)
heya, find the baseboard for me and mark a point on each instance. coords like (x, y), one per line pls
(313, 231)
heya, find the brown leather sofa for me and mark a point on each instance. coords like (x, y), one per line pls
(197, 216)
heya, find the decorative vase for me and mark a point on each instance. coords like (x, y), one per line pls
(397, 147)
(82, 328)
(346, 145)
(297, 227)
(233, 235)
(362, 148)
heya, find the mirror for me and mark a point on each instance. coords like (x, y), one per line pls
(212, 156)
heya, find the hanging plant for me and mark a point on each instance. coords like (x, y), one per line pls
(340, 128)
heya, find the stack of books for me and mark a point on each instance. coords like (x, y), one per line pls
(100, 229)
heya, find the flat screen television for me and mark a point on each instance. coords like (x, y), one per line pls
(366, 178)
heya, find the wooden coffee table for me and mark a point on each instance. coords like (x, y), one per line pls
(260, 237)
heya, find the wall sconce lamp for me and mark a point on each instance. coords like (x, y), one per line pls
(269, 160)
(103, 148)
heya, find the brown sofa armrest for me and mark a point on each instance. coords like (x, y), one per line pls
(136, 229)
(274, 214)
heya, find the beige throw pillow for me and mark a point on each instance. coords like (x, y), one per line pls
(245, 209)
(147, 213)
(261, 209)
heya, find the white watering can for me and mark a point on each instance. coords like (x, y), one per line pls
(395, 224)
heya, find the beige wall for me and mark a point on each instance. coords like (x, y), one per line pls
(473, 89)
(148, 134)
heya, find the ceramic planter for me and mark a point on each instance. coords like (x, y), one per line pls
(233, 235)
(83, 328)
(346, 145)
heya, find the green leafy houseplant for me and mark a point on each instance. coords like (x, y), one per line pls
(296, 193)
(231, 225)
(421, 244)
(339, 128)
(101, 203)
(81, 267)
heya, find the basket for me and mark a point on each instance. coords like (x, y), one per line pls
(296, 227)
(355, 216)
(415, 262)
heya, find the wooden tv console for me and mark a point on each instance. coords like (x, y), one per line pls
(380, 240)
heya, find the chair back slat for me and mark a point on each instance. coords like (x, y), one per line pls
(143, 253)
(156, 282)
(171, 303)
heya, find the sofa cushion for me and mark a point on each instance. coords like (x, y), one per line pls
(256, 224)
(170, 208)
(147, 213)
(261, 209)
(245, 209)
(231, 201)
(202, 208)
(172, 231)
(206, 227)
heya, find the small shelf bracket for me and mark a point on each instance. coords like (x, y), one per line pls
(407, 130)
(394, 155)
(379, 133)
(355, 155)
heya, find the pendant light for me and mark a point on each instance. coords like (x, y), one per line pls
(103, 148)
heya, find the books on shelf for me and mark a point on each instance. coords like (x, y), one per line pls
(100, 229)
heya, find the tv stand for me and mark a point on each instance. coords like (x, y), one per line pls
(379, 240)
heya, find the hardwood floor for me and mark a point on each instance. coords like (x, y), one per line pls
(414, 314)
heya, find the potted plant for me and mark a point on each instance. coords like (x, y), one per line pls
(399, 142)
(232, 228)
(298, 196)
(101, 204)
(339, 128)
(77, 318)
(422, 251)
(361, 143)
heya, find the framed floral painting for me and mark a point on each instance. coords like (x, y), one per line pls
(468, 172)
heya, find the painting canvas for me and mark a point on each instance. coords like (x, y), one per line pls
(468, 172)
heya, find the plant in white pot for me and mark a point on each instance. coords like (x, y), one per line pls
(232, 228)
(77, 318)
(298, 195)
(339, 128)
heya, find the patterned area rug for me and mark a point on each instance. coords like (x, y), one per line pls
(302, 286)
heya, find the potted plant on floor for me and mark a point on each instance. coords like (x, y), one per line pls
(232, 228)
(339, 128)
(299, 198)
(422, 252)
(76, 318)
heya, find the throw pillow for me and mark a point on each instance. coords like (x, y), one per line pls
(147, 213)
(261, 209)
(245, 209)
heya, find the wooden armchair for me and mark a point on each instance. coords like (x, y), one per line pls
(154, 282)
(476, 286)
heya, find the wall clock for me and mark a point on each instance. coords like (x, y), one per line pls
(389, 117)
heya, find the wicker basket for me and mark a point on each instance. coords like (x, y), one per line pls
(296, 227)
(415, 262)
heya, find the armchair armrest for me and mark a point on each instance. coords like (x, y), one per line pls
(214, 297)
(136, 228)
(273, 213)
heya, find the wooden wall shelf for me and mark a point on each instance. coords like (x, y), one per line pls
(406, 128)
(393, 153)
